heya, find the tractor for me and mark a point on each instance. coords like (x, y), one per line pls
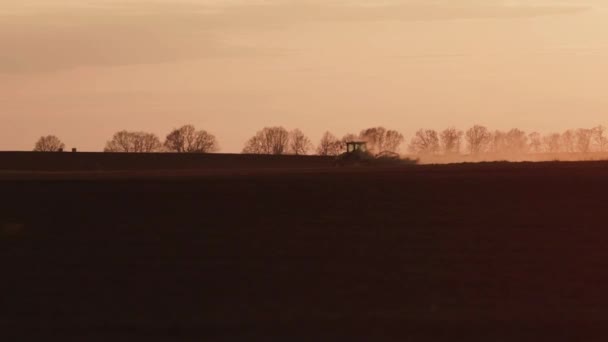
(358, 154)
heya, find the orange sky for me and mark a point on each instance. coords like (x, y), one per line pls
(85, 69)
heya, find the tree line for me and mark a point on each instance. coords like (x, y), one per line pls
(186, 139)
(277, 140)
(269, 140)
(480, 140)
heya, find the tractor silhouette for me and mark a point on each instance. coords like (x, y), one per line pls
(358, 154)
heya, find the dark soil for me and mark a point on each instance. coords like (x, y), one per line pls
(472, 252)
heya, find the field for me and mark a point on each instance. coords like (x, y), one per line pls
(467, 252)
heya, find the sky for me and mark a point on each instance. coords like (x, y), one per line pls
(85, 69)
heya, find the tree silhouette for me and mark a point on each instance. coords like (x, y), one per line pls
(477, 138)
(568, 141)
(599, 138)
(49, 143)
(516, 141)
(278, 140)
(583, 139)
(188, 140)
(392, 141)
(374, 137)
(451, 140)
(299, 144)
(425, 141)
(133, 142)
(379, 139)
(329, 145)
(536, 142)
(270, 140)
(497, 142)
(552, 143)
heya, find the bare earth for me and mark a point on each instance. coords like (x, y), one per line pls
(471, 252)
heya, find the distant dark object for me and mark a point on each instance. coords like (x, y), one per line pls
(356, 154)
(60, 150)
(74, 150)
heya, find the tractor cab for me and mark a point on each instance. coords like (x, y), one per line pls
(356, 153)
(356, 146)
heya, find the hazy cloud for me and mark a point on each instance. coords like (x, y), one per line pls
(44, 36)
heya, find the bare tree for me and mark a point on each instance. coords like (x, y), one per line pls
(497, 142)
(393, 141)
(374, 137)
(568, 141)
(451, 140)
(477, 138)
(516, 141)
(147, 142)
(552, 143)
(425, 141)
(255, 145)
(329, 145)
(188, 140)
(49, 143)
(379, 139)
(583, 139)
(120, 142)
(536, 142)
(134, 142)
(299, 144)
(599, 138)
(270, 140)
